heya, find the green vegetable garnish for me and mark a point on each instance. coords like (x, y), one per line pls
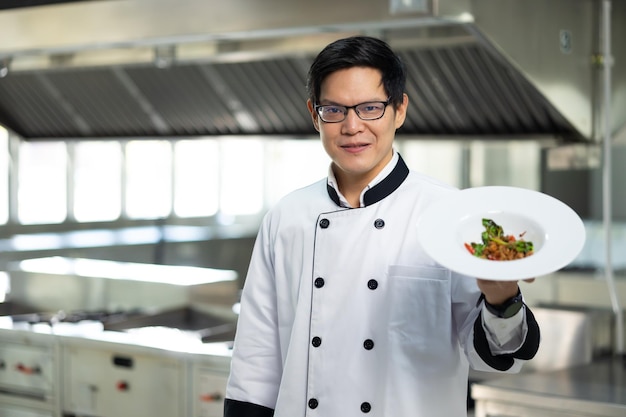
(506, 246)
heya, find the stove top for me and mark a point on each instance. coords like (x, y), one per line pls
(101, 316)
(197, 324)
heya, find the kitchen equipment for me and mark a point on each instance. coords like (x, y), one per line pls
(209, 375)
(112, 379)
(102, 338)
(204, 326)
(597, 389)
(29, 375)
(70, 284)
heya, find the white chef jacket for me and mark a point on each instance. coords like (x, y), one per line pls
(343, 314)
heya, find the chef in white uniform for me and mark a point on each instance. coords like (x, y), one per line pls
(343, 314)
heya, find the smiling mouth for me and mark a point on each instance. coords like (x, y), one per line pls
(355, 146)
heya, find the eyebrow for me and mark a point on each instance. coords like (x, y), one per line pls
(334, 103)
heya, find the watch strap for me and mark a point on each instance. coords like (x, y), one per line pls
(507, 309)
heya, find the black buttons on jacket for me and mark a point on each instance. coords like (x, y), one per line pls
(378, 223)
(319, 282)
(365, 407)
(316, 341)
(368, 344)
(372, 284)
(313, 403)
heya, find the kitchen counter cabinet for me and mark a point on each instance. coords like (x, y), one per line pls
(29, 375)
(114, 380)
(594, 390)
(209, 378)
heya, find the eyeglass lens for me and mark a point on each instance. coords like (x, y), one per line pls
(366, 111)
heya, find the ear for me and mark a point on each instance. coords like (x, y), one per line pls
(401, 111)
(314, 115)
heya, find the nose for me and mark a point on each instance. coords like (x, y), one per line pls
(352, 123)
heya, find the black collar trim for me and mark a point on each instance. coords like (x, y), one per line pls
(381, 190)
(332, 193)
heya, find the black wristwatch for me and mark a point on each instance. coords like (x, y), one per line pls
(507, 309)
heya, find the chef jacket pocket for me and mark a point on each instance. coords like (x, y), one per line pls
(420, 316)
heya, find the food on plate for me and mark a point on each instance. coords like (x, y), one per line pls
(497, 246)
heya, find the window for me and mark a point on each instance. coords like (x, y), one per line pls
(228, 177)
(499, 163)
(42, 189)
(292, 164)
(441, 160)
(242, 176)
(151, 179)
(510, 163)
(196, 177)
(148, 179)
(97, 181)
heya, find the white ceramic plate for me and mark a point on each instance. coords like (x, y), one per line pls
(557, 232)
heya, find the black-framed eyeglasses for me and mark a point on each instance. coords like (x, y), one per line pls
(370, 110)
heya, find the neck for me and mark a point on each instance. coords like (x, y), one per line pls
(351, 186)
(379, 191)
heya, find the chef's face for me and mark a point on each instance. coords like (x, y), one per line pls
(359, 149)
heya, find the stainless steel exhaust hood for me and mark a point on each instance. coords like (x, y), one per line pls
(157, 68)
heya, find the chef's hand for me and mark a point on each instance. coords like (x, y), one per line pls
(497, 292)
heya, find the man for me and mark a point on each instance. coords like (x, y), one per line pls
(343, 313)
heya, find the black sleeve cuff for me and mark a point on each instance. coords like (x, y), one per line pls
(505, 361)
(234, 408)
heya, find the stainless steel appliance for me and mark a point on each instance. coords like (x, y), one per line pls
(593, 390)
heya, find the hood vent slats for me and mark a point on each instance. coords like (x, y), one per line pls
(459, 90)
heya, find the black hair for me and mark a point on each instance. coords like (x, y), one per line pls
(358, 51)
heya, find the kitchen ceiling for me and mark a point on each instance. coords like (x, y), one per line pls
(163, 74)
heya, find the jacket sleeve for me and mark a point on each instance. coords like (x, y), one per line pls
(234, 408)
(504, 361)
(486, 346)
(256, 364)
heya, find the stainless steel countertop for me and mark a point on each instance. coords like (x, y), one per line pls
(598, 388)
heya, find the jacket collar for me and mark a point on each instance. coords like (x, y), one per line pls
(381, 190)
